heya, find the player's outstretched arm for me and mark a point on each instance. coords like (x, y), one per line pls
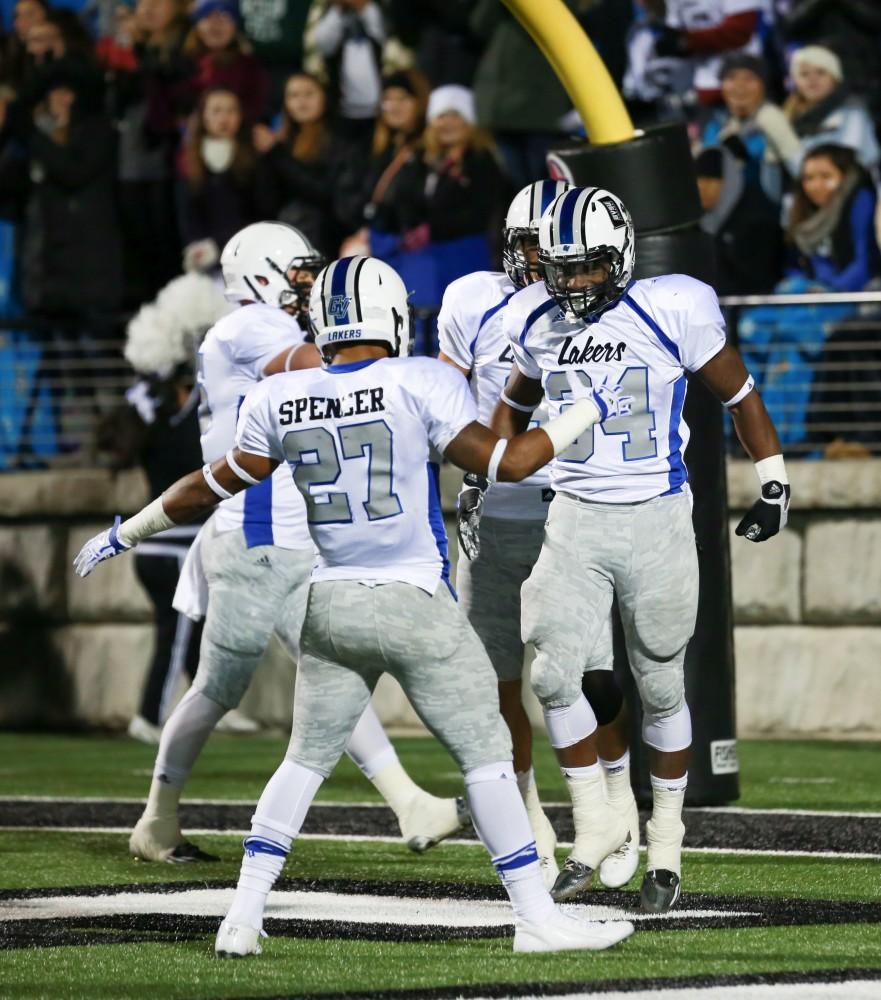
(514, 409)
(726, 376)
(190, 496)
(478, 449)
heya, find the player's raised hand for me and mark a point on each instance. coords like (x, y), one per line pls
(105, 545)
(468, 512)
(611, 400)
(768, 515)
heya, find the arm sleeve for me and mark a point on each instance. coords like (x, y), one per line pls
(447, 405)
(255, 432)
(701, 328)
(456, 335)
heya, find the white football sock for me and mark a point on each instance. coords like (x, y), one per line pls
(183, 737)
(524, 780)
(599, 830)
(618, 789)
(369, 746)
(545, 837)
(499, 816)
(276, 821)
(665, 830)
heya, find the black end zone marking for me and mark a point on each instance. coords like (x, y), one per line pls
(772, 832)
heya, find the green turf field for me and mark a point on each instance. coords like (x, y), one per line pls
(818, 915)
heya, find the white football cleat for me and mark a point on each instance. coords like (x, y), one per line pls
(620, 866)
(160, 839)
(427, 820)
(566, 933)
(238, 940)
(235, 722)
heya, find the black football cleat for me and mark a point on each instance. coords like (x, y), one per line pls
(660, 891)
(574, 879)
(186, 853)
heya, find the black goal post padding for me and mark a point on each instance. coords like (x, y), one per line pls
(653, 174)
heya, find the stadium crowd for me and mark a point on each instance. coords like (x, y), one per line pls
(136, 138)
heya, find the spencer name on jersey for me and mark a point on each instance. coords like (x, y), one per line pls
(357, 403)
(361, 443)
(645, 341)
(471, 334)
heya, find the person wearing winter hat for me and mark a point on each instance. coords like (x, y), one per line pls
(768, 138)
(823, 111)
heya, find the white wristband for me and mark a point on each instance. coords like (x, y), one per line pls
(744, 391)
(506, 399)
(238, 470)
(492, 469)
(566, 428)
(771, 468)
(213, 484)
(146, 522)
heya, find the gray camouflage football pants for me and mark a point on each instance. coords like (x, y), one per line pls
(490, 593)
(353, 633)
(251, 593)
(643, 552)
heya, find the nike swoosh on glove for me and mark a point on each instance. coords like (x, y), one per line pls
(105, 545)
(768, 514)
(611, 400)
(470, 508)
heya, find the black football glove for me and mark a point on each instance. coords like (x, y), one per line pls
(768, 515)
(670, 42)
(468, 514)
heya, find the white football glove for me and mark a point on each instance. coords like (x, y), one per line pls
(105, 545)
(469, 510)
(611, 400)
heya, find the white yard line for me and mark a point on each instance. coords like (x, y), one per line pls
(367, 839)
(858, 989)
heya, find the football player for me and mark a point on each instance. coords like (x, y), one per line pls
(501, 530)
(620, 523)
(361, 438)
(257, 553)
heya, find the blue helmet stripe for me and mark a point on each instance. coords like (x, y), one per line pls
(338, 288)
(567, 214)
(548, 193)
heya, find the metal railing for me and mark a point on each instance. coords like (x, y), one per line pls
(816, 359)
(821, 380)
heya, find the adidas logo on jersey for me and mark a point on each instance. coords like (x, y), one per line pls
(573, 355)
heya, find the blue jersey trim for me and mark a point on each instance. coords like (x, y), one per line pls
(678, 473)
(352, 366)
(486, 317)
(658, 332)
(532, 319)
(257, 523)
(436, 522)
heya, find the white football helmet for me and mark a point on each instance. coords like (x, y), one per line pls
(257, 260)
(521, 227)
(586, 230)
(357, 300)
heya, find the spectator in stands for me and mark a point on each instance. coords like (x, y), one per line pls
(297, 166)
(852, 30)
(275, 30)
(705, 32)
(14, 61)
(518, 96)
(367, 196)
(144, 101)
(823, 111)
(743, 221)
(217, 191)
(446, 201)
(655, 87)
(439, 34)
(222, 57)
(72, 248)
(349, 35)
(772, 147)
(832, 239)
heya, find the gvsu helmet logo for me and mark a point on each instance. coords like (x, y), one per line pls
(338, 306)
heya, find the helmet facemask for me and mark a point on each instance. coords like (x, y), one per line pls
(562, 273)
(295, 298)
(515, 256)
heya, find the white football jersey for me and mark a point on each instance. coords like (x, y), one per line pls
(701, 15)
(471, 334)
(231, 361)
(646, 341)
(362, 441)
